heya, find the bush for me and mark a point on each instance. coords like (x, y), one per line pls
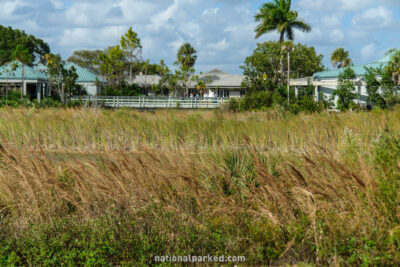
(234, 104)
(49, 103)
(123, 89)
(295, 108)
(392, 101)
(307, 104)
(257, 100)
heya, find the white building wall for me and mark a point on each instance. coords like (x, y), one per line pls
(91, 88)
(234, 93)
(327, 91)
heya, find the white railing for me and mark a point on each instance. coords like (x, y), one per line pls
(148, 102)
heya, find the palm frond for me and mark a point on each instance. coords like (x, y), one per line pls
(301, 25)
(290, 33)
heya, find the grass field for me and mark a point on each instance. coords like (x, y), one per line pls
(101, 187)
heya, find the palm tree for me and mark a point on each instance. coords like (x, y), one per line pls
(277, 16)
(340, 58)
(186, 58)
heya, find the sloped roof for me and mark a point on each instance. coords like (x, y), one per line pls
(213, 75)
(84, 75)
(234, 80)
(143, 80)
(360, 70)
(7, 72)
(213, 78)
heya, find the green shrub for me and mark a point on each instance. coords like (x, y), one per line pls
(257, 100)
(387, 156)
(308, 104)
(50, 103)
(234, 104)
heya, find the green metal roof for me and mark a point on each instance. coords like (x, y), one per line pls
(360, 70)
(85, 76)
(7, 72)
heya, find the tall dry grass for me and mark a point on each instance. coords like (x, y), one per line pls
(319, 188)
(104, 130)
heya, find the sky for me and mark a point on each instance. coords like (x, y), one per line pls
(222, 31)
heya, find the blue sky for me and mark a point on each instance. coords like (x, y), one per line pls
(222, 31)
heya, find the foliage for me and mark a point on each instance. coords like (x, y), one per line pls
(151, 69)
(69, 80)
(276, 15)
(22, 55)
(111, 65)
(374, 99)
(63, 79)
(345, 90)
(340, 58)
(186, 56)
(86, 59)
(165, 75)
(131, 45)
(122, 89)
(55, 68)
(381, 84)
(185, 59)
(265, 100)
(262, 68)
(12, 38)
(394, 67)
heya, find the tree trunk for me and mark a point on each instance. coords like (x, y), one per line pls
(130, 68)
(282, 38)
(186, 85)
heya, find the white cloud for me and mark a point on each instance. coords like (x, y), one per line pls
(219, 46)
(374, 18)
(337, 5)
(332, 21)
(368, 51)
(222, 31)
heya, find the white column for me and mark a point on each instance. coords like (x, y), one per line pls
(296, 91)
(38, 91)
(316, 93)
(24, 88)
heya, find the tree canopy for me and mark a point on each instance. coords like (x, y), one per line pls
(86, 59)
(131, 45)
(186, 56)
(262, 68)
(185, 59)
(394, 67)
(11, 38)
(345, 91)
(277, 15)
(111, 64)
(340, 58)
